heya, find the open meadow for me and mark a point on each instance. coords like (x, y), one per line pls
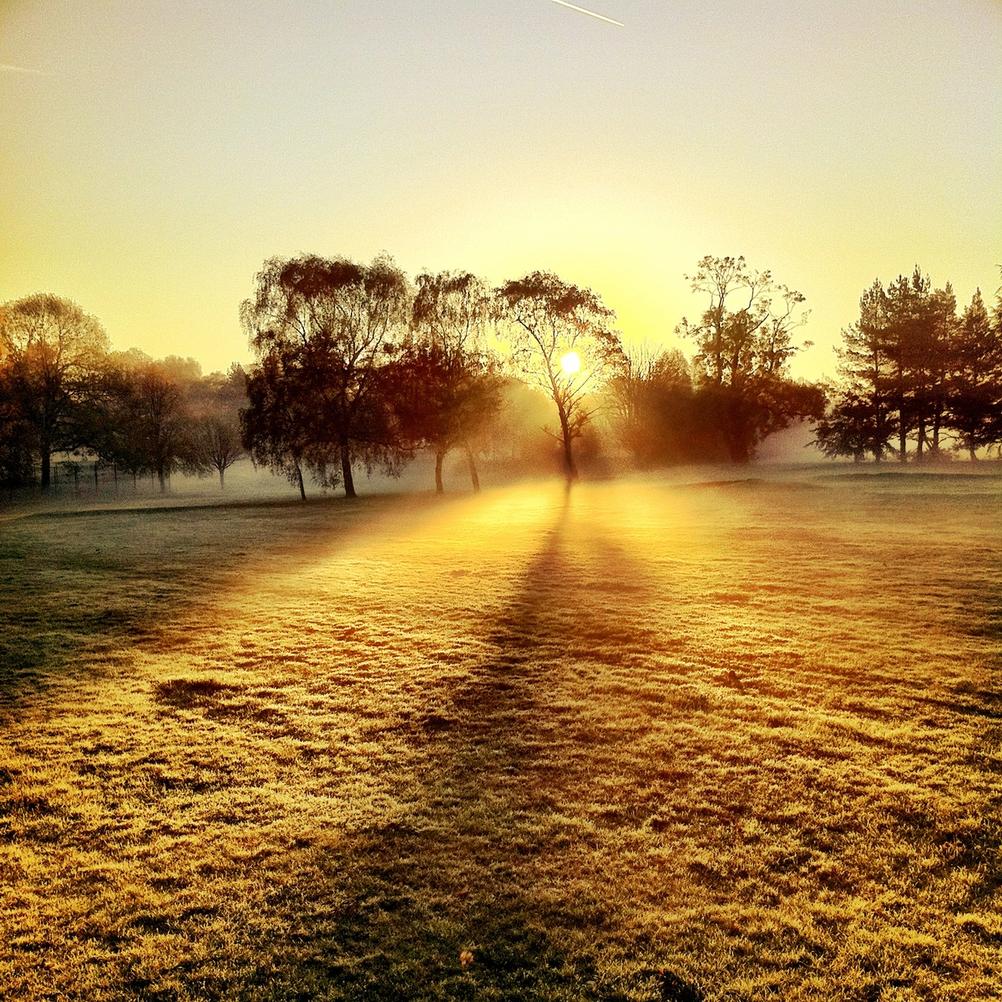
(657, 739)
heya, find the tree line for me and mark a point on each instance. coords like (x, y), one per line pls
(358, 367)
(63, 391)
(917, 378)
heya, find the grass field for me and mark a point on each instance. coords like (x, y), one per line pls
(654, 741)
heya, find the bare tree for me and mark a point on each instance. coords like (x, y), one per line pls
(216, 401)
(561, 341)
(217, 443)
(651, 398)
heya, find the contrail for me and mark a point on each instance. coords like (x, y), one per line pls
(8, 68)
(590, 13)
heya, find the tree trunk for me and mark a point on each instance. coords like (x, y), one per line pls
(439, 457)
(474, 476)
(349, 482)
(299, 479)
(222, 485)
(971, 450)
(162, 478)
(95, 478)
(46, 468)
(902, 442)
(570, 467)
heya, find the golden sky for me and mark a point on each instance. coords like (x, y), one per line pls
(154, 153)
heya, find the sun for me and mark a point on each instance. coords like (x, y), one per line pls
(570, 363)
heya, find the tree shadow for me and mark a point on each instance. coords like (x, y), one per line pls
(389, 911)
(456, 872)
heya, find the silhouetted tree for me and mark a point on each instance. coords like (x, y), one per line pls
(51, 352)
(975, 392)
(16, 436)
(847, 427)
(937, 366)
(861, 411)
(277, 423)
(329, 325)
(918, 338)
(561, 341)
(217, 443)
(744, 342)
(911, 370)
(447, 387)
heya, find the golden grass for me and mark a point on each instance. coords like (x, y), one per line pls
(654, 742)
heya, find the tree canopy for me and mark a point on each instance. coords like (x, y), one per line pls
(744, 343)
(325, 326)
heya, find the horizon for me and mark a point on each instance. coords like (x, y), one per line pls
(156, 158)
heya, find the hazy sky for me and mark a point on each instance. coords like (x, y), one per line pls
(158, 152)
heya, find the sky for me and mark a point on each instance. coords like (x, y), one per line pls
(154, 154)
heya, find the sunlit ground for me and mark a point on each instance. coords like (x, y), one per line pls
(651, 741)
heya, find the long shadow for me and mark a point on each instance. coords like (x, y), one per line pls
(440, 877)
(455, 873)
(402, 905)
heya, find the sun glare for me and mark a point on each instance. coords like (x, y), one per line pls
(570, 363)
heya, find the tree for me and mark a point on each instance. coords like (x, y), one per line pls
(217, 443)
(16, 437)
(938, 364)
(561, 342)
(744, 342)
(860, 416)
(215, 403)
(975, 393)
(447, 388)
(112, 418)
(911, 370)
(163, 422)
(917, 338)
(327, 326)
(276, 423)
(847, 427)
(51, 352)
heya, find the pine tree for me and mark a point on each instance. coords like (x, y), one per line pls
(861, 417)
(975, 392)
